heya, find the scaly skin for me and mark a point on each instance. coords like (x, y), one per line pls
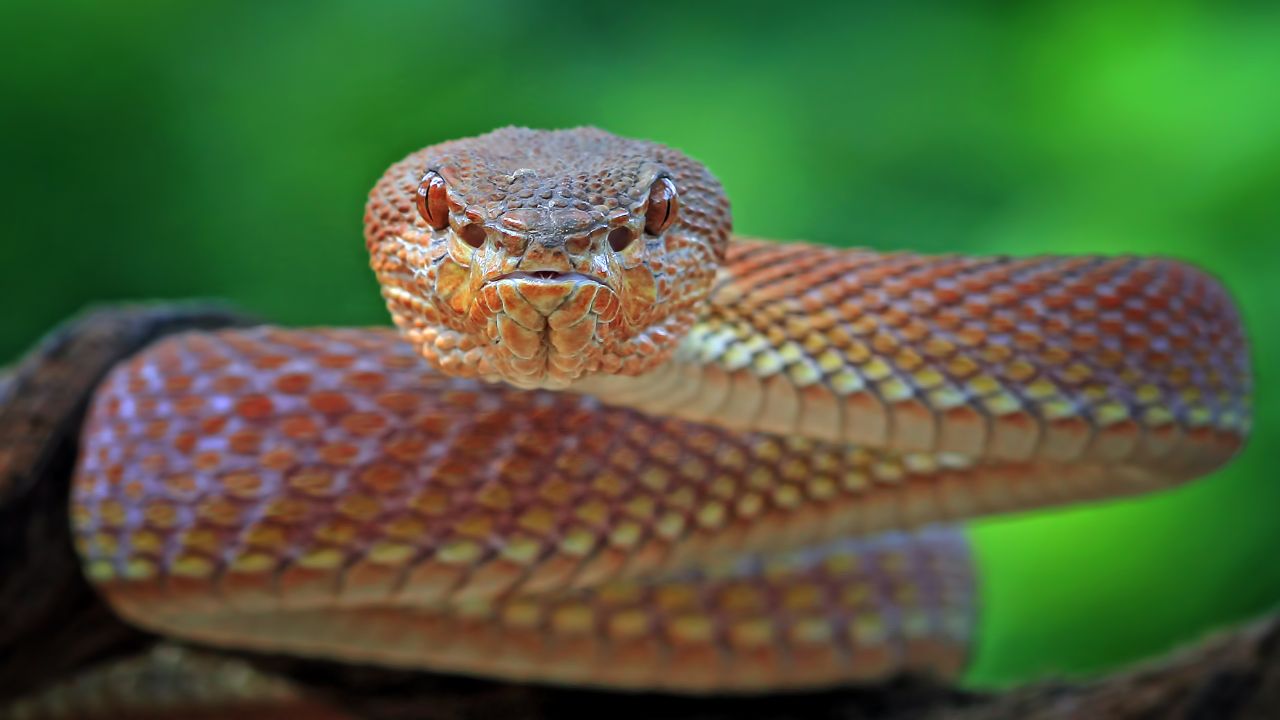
(737, 507)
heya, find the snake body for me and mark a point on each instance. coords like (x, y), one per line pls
(620, 449)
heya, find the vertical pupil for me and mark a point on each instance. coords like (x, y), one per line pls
(662, 207)
(433, 201)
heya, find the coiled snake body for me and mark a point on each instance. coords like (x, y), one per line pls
(638, 454)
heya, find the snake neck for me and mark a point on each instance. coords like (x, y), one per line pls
(1047, 359)
(713, 377)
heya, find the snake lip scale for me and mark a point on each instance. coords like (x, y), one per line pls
(609, 445)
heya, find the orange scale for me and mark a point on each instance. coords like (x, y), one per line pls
(220, 512)
(1015, 436)
(242, 485)
(213, 426)
(454, 472)
(339, 453)
(383, 478)
(298, 341)
(1137, 312)
(153, 464)
(230, 384)
(1111, 324)
(1117, 442)
(896, 317)
(915, 330)
(300, 427)
(1084, 341)
(366, 382)
(337, 532)
(329, 403)
(336, 362)
(1157, 301)
(160, 515)
(399, 402)
(278, 459)
(995, 354)
(408, 449)
(176, 384)
(363, 424)
(1108, 299)
(1058, 301)
(1065, 439)
(156, 429)
(188, 405)
(211, 363)
(1054, 356)
(287, 510)
(137, 385)
(399, 362)
(255, 407)
(1026, 341)
(884, 343)
(1136, 343)
(405, 528)
(270, 362)
(146, 406)
(359, 507)
(245, 442)
(460, 398)
(180, 485)
(558, 491)
(1111, 358)
(434, 425)
(134, 490)
(207, 461)
(265, 536)
(1005, 296)
(1002, 323)
(293, 383)
(432, 503)
(312, 482)
(948, 295)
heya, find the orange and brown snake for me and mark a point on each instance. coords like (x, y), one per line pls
(612, 446)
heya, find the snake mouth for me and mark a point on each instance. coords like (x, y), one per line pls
(549, 277)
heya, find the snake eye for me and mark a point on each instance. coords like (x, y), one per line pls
(663, 204)
(432, 200)
(620, 238)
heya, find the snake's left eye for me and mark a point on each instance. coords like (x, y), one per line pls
(433, 200)
(663, 204)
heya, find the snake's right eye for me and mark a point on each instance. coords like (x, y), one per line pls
(433, 200)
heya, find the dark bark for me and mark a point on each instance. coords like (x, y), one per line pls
(51, 621)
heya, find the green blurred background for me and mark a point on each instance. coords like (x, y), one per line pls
(178, 150)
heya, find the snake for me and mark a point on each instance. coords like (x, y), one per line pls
(610, 444)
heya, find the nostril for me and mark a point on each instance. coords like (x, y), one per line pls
(473, 235)
(620, 238)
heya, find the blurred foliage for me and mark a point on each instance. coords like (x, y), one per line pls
(173, 150)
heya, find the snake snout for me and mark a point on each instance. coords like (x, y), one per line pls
(547, 291)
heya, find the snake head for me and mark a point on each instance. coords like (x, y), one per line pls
(539, 257)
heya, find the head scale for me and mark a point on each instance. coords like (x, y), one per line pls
(539, 257)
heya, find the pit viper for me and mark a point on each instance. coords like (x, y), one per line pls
(610, 445)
